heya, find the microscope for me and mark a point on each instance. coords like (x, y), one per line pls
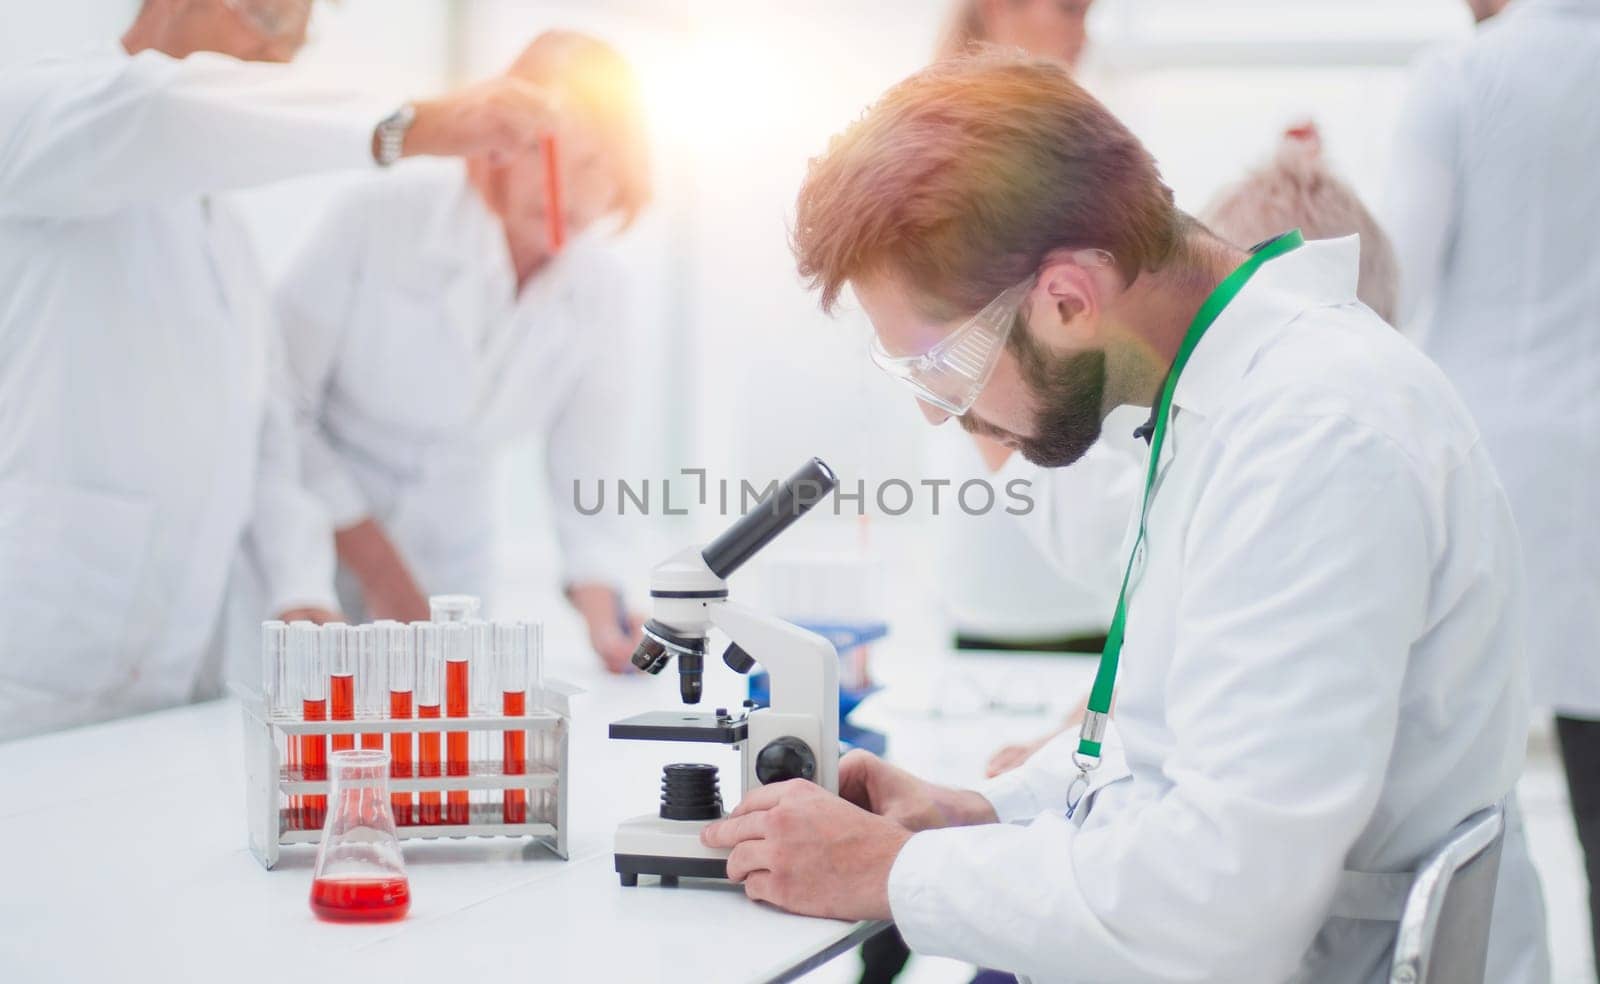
(795, 737)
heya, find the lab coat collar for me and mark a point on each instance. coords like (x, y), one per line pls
(1318, 274)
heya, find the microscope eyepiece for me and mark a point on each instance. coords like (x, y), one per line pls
(771, 516)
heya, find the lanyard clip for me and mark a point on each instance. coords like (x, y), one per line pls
(1080, 785)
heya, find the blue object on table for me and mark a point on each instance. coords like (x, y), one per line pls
(845, 636)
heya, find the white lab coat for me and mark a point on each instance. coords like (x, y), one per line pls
(416, 361)
(1494, 208)
(1323, 671)
(135, 432)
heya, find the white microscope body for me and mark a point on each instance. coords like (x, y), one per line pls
(796, 736)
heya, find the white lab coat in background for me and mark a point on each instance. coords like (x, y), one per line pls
(416, 360)
(1494, 208)
(1323, 672)
(135, 429)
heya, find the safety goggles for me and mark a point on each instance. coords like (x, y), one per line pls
(950, 375)
(273, 18)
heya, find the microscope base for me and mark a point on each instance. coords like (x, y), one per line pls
(649, 845)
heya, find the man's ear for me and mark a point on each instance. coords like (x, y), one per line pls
(1065, 311)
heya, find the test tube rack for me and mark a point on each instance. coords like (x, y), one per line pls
(270, 783)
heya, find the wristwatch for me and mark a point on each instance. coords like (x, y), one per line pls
(390, 135)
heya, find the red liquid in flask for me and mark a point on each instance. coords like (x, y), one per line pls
(342, 690)
(399, 755)
(514, 704)
(314, 765)
(455, 696)
(360, 899)
(428, 755)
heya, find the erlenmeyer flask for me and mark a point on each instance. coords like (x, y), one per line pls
(360, 873)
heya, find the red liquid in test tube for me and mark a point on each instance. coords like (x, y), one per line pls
(313, 672)
(400, 755)
(511, 667)
(340, 667)
(516, 758)
(428, 767)
(456, 702)
(555, 217)
(342, 693)
(314, 759)
(429, 688)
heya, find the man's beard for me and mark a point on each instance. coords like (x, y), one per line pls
(1070, 391)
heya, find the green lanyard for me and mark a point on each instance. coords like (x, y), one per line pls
(1087, 757)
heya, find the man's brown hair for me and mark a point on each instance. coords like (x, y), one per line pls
(963, 177)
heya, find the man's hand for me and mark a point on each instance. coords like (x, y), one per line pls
(803, 849)
(613, 630)
(321, 616)
(915, 804)
(497, 118)
(387, 587)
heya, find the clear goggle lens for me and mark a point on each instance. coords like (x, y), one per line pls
(950, 375)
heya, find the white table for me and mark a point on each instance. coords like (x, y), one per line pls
(122, 852)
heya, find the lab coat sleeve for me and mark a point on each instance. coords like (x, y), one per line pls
(1040, 784)
(588, 435)
(1305, 584)
(89, 136)
(313, 304)
(1420, 199)
(1078, 515)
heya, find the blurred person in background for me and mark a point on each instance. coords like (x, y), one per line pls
(1494, 205)
(430, 322)
(137, 432)
(1047, 28)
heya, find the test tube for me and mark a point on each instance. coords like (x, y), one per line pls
(372, 678)
(274, 693)
(543, 739)
(429, 690)
(313, 670)
(484, 745)
(456, 638)
(402, 684)
(338, 655)
(511, 657)
(452, 608)
(274, 652)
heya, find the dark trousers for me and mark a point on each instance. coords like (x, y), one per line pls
(1580, 755)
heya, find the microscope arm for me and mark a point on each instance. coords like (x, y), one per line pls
(803, 668)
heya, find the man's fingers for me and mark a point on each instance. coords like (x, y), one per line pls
(748, 857)
(854, 772)
(735, 830)
(758, 886)
(766, 797)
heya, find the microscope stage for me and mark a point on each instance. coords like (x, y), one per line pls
(681, 726)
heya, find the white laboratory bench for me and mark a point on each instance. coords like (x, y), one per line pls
(122, 851)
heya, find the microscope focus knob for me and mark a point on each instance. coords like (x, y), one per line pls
(786, 758)
(737, 659)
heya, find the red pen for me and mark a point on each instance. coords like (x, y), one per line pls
(552, 194)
